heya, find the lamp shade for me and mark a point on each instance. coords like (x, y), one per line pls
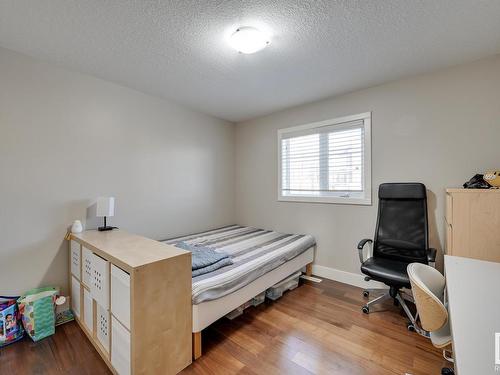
(105, 206)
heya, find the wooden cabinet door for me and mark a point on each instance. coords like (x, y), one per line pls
(476, 225)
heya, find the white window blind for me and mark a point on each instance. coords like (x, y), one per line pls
(327, 161)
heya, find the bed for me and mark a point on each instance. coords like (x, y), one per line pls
(261, 259)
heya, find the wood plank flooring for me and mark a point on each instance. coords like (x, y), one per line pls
(314, 329)
(66, 352)
(317, 329)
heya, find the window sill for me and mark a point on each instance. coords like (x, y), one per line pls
(328, 200)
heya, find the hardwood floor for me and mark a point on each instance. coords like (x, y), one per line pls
(314, 329)
(66, 352)
(317, 329)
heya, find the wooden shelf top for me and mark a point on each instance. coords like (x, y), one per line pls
(462, 190)
(126, 250)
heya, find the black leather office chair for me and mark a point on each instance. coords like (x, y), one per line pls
(401, 238)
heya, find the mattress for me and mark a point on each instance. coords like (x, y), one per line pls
(254, 253)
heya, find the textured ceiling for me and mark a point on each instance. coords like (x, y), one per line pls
(177, 49)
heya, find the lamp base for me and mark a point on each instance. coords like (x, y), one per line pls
(102, 229)
(105, 226)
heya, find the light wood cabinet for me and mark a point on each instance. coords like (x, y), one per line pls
(132, 297)
(472, 219)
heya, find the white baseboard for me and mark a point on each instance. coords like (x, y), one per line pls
(346, 277)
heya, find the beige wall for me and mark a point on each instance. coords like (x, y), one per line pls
(67, 138)
(438, 129)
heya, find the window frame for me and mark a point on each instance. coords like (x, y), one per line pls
(366, 200)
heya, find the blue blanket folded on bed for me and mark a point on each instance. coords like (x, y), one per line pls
(204, 259)
(215, 266)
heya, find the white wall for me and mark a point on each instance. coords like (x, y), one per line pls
(438, 129)
(67, 138)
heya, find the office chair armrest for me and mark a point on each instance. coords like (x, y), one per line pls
(361, 245)
(431, 255)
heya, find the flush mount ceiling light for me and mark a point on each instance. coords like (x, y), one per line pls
(248, 40)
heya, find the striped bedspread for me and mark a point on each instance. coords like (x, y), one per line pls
(253, 251)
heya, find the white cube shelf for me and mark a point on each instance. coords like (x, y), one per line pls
(87, 266)
(102, 327)
(120, 347)
(88, 311)
(120, 295)
(99, 288)
(75, 296)
(75, 259)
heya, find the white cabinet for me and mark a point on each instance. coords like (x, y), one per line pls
(87, 266)
(75, 296)
(102, 320)
(88, 311)
(120, 347)
(99, 287)
(75, 259)
(120, 295)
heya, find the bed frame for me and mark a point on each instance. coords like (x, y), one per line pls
(208, 312)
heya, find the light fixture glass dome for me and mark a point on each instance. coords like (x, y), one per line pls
(248, 40)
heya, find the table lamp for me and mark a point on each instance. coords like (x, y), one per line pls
(105, 207)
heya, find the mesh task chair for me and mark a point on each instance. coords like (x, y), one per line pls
(427, 285)
(401, 238)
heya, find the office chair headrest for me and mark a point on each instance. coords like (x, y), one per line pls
(402, 190)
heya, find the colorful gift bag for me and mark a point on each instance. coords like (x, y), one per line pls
(11, 329)
(37, 312)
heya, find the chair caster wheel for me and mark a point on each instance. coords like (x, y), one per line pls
(410, 327)
(365, 309)
(447, 371)
(366, 293)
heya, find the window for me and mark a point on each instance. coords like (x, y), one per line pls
(328, 161)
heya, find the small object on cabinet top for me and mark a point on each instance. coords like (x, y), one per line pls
(77, 227)
(492, 178)
(477, 182)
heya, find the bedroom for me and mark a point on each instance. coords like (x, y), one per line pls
(149, 103)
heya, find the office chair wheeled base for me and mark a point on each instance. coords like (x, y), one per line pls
(366, 294)
(396, 295)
